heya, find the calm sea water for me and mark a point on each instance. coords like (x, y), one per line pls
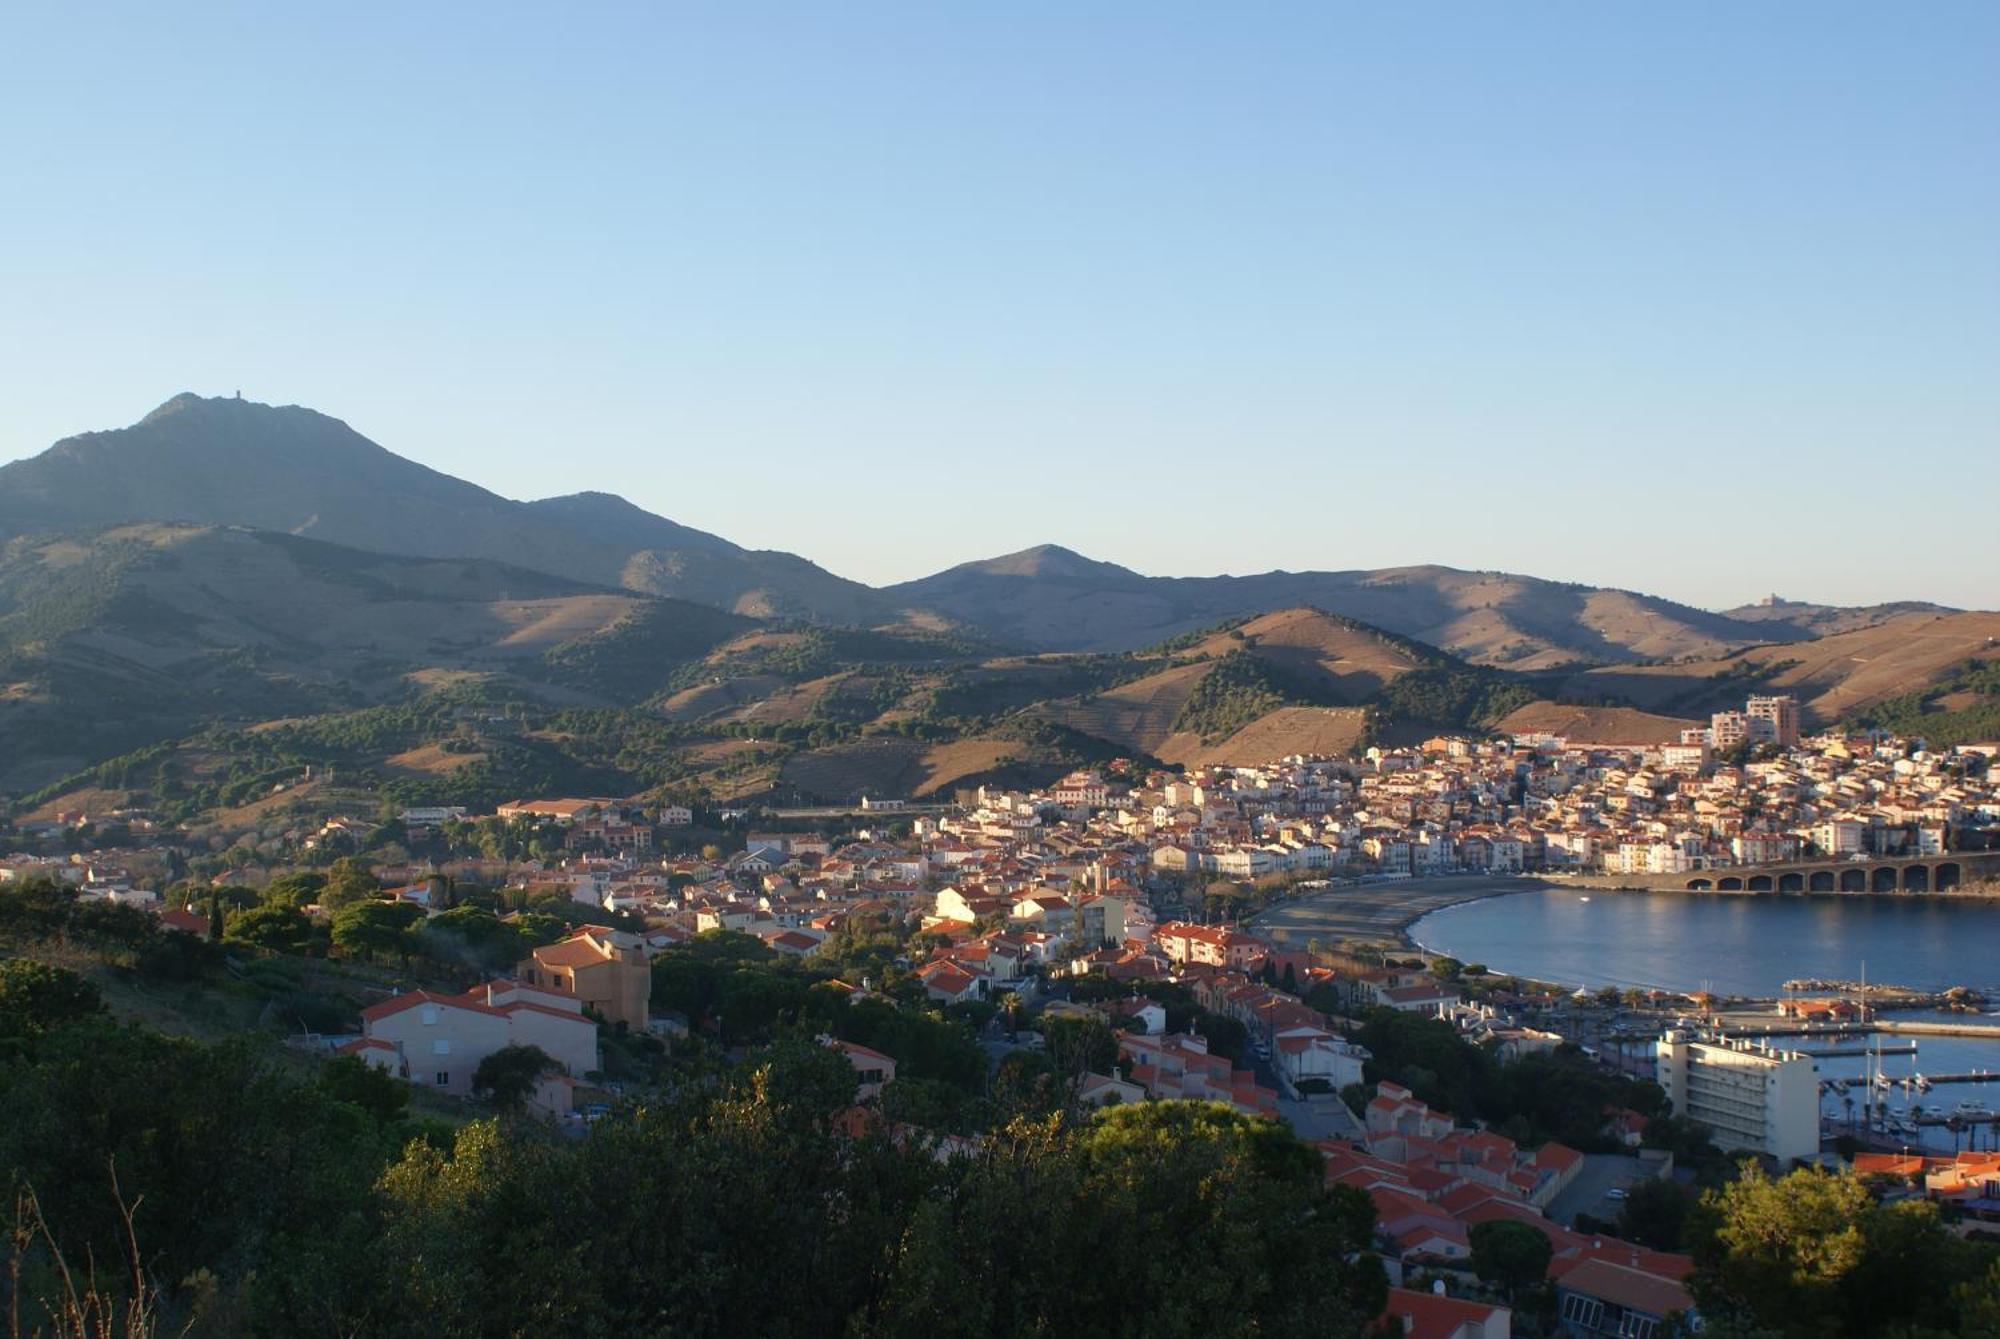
(1731, 945)
(1752, 946)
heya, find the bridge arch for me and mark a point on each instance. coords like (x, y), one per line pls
(1761, 883)
(1699, 885)
(1916, 878)
(1822, 881)
(1854, 881)
(1884, 880)
(1793, 882)
(1729, 883)
(1946, 876)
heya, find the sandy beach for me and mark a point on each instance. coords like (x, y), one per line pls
(1377, 910)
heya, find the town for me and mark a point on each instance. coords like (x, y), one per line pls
(1103, 933)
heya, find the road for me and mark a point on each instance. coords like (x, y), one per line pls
(1376, 910)
(1601, 1173)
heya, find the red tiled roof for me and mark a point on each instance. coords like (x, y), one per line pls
(1630, 1288)
(1421, 1315)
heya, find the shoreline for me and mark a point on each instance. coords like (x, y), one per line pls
(1382, 911)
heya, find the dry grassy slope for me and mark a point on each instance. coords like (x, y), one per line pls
(708, 699)
(1832, 676)
(1595, 725)
(896, 768)
(1350, 663)
(1288, 730)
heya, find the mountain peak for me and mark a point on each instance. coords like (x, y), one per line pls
(188, 402)
(1048, 560)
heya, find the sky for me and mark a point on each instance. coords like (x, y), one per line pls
(1697, 299)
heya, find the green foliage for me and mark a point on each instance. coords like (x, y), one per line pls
(1655, 1214)
(1240, 688)
(1080, 1044)
(1551, 1095)
(350, 1079)
(1511, 1254)
(1923, 715)
(1812, 1253)
(277, 930)
(509, 1076)
(35, 997)
(632, 659)
(372, 929)
(1454, 696)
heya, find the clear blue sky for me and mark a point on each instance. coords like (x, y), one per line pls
(1699, 299)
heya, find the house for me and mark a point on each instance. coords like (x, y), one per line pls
(1178, 1065)
(873, 1070)
(564, 812)
(439, 1040)
(1428, 1315)
(1598, 1298)
(1108, 1090)
(948, 983)
(603, 970)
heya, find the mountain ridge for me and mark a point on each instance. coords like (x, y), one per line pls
(295, 470)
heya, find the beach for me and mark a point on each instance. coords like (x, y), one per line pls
(1382, 911)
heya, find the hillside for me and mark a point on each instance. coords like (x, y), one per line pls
(1293, 681)
(1595, 725)
(1824, 620)
(146, 631)
(1834, 677)
(1050, 597)
(292, 470)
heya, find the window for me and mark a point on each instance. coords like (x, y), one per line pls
(430, 1015)
(1634, 1325)
(444, 1077)
(1587, 1312)
(442, 1046)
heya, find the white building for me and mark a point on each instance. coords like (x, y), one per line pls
(1746, 1095)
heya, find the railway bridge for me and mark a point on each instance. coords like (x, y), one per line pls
(1900, 874)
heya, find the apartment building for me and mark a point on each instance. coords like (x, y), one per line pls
(1747, 1095)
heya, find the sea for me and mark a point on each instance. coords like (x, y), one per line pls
(1752, 945)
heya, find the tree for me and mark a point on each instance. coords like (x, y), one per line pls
(298, 889)
(1812, 1253)
(349, 881)
(1510, 1254)
(1079, 1045)
(1447, 969)
(1655, 1214)
(279, 929)
(349, 1078)
(369, 928)
(510, 1075)
(35, 997)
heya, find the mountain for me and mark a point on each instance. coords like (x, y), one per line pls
(143, 631)
(293, 470)
(1051, 598)
(1835, 678)
(1823, 620)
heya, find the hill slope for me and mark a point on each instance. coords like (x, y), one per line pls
(1050, 597)
(288, 469)
(1824, 620)
(143, 631)
(1833, 677)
